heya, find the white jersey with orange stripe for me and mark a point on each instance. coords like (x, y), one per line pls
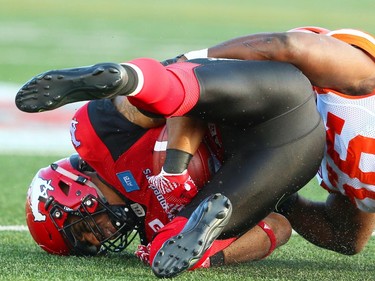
(348, 166)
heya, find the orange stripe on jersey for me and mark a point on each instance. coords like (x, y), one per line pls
(325, 186)
(313, 29)
(356, 38)
(324, 91)
(358, 193)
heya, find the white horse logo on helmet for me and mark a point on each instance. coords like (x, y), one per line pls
(38, 189)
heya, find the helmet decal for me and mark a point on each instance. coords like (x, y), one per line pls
(35, 194)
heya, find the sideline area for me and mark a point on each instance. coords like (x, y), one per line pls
(33, 133)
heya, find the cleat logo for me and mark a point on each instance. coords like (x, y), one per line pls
(36, 194)
(73, 129)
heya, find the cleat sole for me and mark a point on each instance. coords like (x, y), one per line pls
(56, 88)
(188, 247)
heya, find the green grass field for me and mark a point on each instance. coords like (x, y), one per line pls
(21, 259)
(38, 35)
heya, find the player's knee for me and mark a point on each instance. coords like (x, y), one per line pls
(281, 228)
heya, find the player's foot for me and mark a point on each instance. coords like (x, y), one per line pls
(185, 249)
(56, 88)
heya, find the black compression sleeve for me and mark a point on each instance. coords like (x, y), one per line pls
(176, 161)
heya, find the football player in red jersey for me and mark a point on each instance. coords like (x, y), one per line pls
(72, 210)
(267, 117)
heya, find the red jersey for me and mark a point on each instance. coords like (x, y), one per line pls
(122, 155)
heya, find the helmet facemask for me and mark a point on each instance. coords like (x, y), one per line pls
(84, 219)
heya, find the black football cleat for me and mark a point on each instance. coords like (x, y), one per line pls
(182, 251)
(56, 88)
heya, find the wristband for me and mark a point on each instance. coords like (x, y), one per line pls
(199, 54)
(176, 161)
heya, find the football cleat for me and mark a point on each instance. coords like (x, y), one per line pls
(185, 249)
(55, 88)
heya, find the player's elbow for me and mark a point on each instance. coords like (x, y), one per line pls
(285, 47)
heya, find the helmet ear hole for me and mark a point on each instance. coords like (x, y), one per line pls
(64, 187)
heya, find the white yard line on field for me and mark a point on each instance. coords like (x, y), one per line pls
(13, 228)
(24, 228)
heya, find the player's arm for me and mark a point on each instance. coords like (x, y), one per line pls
(184, 137)
(135, 116)
(326, 61)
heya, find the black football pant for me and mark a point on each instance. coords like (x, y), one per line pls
(272, 133)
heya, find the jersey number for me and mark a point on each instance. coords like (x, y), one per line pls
(356, 147)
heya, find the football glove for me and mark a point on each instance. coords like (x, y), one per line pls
(143, 253)
(176, 188)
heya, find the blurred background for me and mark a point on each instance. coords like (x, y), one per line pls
(39, 35)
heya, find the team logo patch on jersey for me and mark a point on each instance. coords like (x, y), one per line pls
(73, 129)
(128, 182)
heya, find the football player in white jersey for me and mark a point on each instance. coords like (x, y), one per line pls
(341, 66)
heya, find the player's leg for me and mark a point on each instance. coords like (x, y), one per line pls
(255, 244)
(260, 241)
(194, 237)
(253, 180)
(55, 88)
(336, 224)
(268, 161)
(150, 85)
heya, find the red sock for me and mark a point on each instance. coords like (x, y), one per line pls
(217, 246)
(168, 91)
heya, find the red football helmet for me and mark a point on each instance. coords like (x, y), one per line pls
(61, 191)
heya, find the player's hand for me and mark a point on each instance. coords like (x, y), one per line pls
(177, 188)
(143, 253)
(168, 183)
